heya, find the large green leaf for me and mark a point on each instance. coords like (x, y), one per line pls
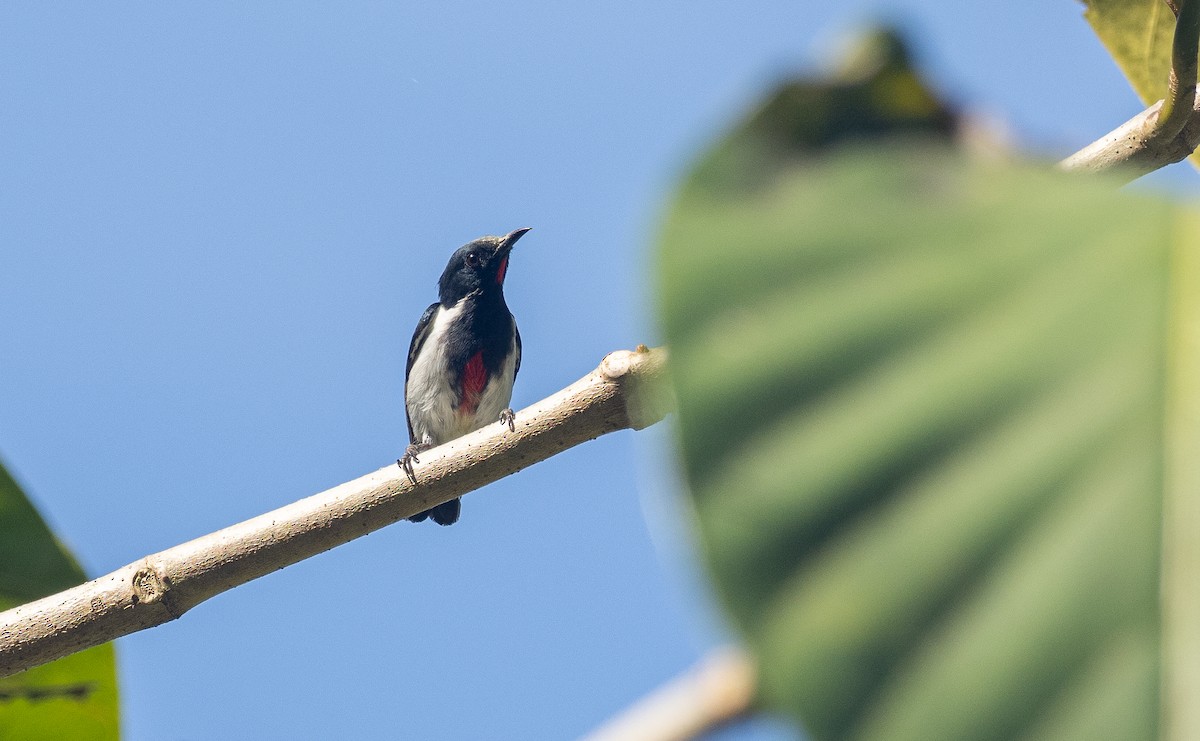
(1138, 35)
(74, 697)
(922, 404)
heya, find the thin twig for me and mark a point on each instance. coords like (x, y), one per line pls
(1129, 151)
(1177, 107)
(715, 692)
(1166, 132)
(623, 392)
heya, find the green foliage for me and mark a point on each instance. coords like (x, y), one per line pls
(74, 697)
(1138, 35)
(921, 407)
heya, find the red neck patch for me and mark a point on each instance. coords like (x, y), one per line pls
(501, 271)
(471, 383)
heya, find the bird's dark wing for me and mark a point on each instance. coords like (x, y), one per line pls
(420, 334)
(424, 324)
(517, 333)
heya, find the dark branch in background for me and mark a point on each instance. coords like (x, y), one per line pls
(624, 392)
(78, 692)
(1166, 132)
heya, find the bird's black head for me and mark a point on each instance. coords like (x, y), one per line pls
(477, 266)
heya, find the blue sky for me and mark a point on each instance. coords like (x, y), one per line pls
(218, 226)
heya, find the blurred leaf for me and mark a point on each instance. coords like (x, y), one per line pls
(874, 90)
(74, 697)
(921, 405)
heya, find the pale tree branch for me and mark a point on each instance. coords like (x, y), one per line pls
(715, 692)
(1166, 132)
(625, 391)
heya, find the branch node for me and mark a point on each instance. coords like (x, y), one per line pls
(617, 364)
(151, 587)
(642, 375)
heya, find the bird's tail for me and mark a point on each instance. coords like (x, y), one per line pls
(445, 513)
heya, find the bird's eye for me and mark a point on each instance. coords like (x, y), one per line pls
(472, 259)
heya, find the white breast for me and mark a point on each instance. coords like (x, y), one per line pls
(497, 394)
(431, 399)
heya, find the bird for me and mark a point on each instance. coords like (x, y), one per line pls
(463, 358)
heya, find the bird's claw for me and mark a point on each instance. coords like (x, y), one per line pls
(508, 417)
(409, 458)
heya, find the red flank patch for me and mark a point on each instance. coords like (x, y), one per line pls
(474, 378)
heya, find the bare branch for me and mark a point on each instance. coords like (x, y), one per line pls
(624, 392)
(1166, 132)
(718, 690)
(1132, 151)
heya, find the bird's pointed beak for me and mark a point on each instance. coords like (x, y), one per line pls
(509, 240)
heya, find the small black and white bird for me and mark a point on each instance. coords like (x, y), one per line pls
(464, 357)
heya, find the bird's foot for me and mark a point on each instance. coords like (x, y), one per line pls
(410, 457)
(509, 417)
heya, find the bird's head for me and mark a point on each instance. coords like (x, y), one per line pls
(479, 265)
